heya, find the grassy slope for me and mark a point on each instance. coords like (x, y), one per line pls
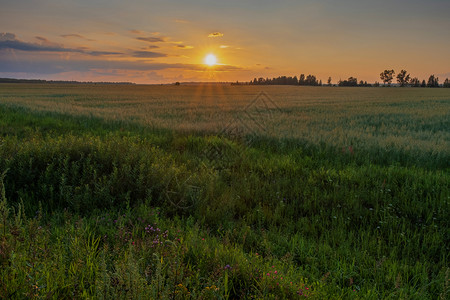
(354, 228)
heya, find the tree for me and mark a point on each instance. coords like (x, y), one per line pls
(424, 84)
(386, 76)
(329, 81)
(403, 78)
(301, 81)
(446, 83)
(433, 81)
(376, 84)
(311, 80)
(351, 81)
(415, 82)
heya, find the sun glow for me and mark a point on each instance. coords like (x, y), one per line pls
(210, 60)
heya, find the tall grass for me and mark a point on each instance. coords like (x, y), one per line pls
(113, 209)
(389, 125)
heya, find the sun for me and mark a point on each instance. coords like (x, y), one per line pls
(210, 60)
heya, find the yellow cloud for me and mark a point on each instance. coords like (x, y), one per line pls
(215, 34)
(184, 47)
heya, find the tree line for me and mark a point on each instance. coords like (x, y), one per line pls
(310, 80)
(403, 78)
(13, 80)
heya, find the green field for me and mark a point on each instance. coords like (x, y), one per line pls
(224, 192)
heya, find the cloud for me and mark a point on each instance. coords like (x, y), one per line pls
(9, 41)
(152, 39)
(45, 42)
(151, 47)
(184, 47)
(42, 39)
(224, 46)
(89, 60)
(24, 46)
(101, 53)
(221, 68)
(134, 31)
(443, 76)
(7, 36)
(74, 35)
(61, 65)
(181, 21)
(148, 54)
(215, 35)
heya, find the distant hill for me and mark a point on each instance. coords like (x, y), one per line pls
(13, 80)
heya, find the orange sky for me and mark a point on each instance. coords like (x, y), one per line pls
(161, 41)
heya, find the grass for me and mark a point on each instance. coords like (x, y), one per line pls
(95, 206)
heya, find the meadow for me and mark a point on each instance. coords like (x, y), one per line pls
(224, 192)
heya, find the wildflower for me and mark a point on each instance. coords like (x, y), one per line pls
(227, 267)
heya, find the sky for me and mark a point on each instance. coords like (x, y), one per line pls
(164, 41)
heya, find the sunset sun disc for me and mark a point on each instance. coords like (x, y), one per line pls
(210, 60)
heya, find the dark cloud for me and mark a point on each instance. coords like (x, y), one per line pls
(184, 47)
(148, 54)
(46, 42)
(9, 41)
(42, 39)
(152, 39)
(215, 34)
(101, 53)
(74, 35)
(24, 46)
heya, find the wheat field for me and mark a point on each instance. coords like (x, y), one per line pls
(412, 120)
(223, 192)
